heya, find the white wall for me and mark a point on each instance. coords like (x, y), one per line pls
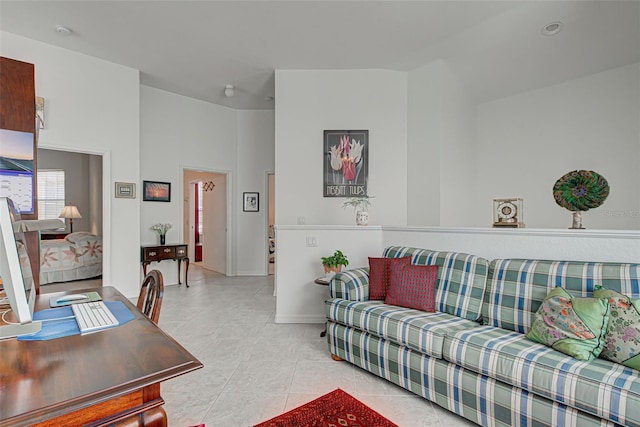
(180, 133)
(311, 101)
(93, 106)
(424, 135)
(256, 157)
(527, 141)
(300, 300)
(441, 129)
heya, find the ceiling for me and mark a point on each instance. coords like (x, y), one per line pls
(195, 48)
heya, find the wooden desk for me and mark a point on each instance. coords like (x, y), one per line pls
(110, 377)
(151, 253)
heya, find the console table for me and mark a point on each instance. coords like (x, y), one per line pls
(151, 253)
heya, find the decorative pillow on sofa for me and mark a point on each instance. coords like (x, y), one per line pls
(380, 275)
(622, 336)
(573, 326)
(416, 288)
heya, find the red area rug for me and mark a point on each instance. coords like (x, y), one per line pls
(335, 409)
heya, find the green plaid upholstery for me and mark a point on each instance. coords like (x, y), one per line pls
(462, 278)
(416, 329)
(600, 387)
(517, 287)
(480, 399)
(350, 284)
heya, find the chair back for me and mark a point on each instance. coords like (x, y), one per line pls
(150, 298)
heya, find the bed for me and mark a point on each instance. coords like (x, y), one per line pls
(76, 257)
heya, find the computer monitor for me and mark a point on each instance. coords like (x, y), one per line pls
(16, 275)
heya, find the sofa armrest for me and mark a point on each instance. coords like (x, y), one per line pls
(350, 285)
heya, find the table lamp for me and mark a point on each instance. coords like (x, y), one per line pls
(71, 212)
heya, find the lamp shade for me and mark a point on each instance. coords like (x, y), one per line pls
(70, 211)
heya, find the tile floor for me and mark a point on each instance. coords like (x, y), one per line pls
(255, 369)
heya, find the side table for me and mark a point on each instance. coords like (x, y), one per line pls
(325, 282)
(157, 253)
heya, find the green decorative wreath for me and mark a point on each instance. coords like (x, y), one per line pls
(581, 190)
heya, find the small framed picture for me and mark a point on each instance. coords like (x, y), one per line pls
(126, 190)
(251, 202)
(155, 191)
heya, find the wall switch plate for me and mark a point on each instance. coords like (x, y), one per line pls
(312, 241)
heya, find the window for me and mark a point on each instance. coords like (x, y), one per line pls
(50, 193)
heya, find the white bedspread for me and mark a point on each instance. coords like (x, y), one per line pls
(78, 256)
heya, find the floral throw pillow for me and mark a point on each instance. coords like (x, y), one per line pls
(573, 326)
(622, 336)
(416, 288)
(380, 275)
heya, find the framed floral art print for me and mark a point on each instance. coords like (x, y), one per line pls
(346, 159)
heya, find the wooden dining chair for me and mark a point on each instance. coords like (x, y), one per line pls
(150, 298)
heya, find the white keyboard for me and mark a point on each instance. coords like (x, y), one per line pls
(93, 316)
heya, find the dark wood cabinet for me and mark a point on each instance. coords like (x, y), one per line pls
(157, 253)
(18, 113)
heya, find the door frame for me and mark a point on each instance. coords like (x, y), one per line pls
(230, 259)
(106, 200)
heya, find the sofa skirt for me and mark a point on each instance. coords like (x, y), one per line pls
(478, 398)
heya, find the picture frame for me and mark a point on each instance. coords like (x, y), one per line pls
(345, 163)
(125, 190)
(156, 191)
(250, 202)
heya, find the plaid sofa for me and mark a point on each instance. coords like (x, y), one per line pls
(471, 356)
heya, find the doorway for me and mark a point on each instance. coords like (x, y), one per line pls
(77, 178)
(271, 220)
(205, 218)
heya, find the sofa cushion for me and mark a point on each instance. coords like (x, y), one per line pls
(415, 329)
(622, 338)
(517, 287)
(573, 326)
(462, 278)
(380, 275)
(415, 289)
(600, 387)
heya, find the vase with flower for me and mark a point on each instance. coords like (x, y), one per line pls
(161, 229)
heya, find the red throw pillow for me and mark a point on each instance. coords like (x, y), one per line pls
(416, 288)
(380, 275)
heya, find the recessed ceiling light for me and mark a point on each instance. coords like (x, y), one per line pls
(63, 31)
(552, 28)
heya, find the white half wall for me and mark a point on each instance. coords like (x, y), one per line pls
(300, 300)
(308, 102)
(93, 106)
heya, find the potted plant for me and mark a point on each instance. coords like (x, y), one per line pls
(361, 206)
(333, 264)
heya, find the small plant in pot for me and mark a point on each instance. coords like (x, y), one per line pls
(361, 206)
(333, 264)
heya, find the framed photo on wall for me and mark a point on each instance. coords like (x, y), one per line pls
(155, 191)
(250, 202)
(126, 190)
(346, 163)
